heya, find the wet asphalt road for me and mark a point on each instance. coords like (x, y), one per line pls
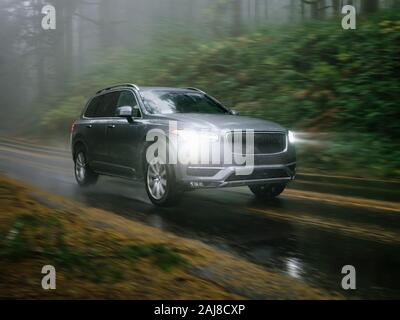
(317, 226)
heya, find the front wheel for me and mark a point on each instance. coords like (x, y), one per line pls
(267, 191)
(161, 184)
(83, 174)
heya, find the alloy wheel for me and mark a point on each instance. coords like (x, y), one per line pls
(80, 167)
(157, 180)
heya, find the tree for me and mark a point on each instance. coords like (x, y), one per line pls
(292, 10)
(237, 17)
(314, 9)
(369, 6)
(257, 7)
(322, 9)
(318, 8)
(336, 7)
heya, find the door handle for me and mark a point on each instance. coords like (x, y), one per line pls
(89, 126)
(111, 126)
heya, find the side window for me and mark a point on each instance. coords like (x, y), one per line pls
(91, 109)
(127, 98)
(107, 105)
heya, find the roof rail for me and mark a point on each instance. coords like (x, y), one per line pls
(194, 89)
(119, 85)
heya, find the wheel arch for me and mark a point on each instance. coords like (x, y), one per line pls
(76, 145)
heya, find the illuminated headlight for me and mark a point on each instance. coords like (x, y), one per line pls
(291, 137)
(193, 145)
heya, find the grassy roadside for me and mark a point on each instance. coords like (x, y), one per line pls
(98, 254)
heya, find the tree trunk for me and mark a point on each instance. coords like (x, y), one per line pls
(292, 11)
(336, 7)
(106, 25)
(303, 11)
(68, 37)
(322, 9)
(257, 13)
(369, 6)
(237, 18)
(314, 10)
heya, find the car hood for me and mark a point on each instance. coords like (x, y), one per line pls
(220, 122)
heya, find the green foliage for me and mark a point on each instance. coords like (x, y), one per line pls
(352, 153)
(315, 77)
(21, 242)
(61, 114)
(14, 245)
(162, 256)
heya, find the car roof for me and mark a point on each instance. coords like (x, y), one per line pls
(147, 89)
(144, 89)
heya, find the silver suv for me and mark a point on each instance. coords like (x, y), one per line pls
(111, 137)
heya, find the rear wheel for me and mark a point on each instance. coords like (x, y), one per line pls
(267, 191)
(83, 174)
(161, 184)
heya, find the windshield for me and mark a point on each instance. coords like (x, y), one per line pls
(166, 102)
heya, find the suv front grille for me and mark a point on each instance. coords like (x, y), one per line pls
(264, 142)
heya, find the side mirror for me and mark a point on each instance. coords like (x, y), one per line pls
(234, 112)
(124, 112)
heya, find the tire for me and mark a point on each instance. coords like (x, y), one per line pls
(267, 191)
(161, 186)
(83, 174)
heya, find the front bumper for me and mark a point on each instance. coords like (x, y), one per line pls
(274, 168)
(218, 177)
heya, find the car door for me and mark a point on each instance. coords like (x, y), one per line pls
(98, 130)
(124, 137)
(94, 132)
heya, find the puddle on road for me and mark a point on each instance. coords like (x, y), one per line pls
(317, 257)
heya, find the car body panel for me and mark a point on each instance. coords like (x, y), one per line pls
(124, 139)
(221, 122)
(117, 146)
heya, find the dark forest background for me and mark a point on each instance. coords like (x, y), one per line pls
(289, 61)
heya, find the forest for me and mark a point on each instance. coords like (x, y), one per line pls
(288, 61)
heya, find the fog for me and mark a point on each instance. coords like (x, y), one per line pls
(37, 63)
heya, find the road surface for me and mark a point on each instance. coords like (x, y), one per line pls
(317, 226)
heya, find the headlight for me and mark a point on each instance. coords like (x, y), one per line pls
(196, 136)
(291, 137)
(193, 145)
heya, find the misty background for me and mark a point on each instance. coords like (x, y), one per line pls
(289, 61)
